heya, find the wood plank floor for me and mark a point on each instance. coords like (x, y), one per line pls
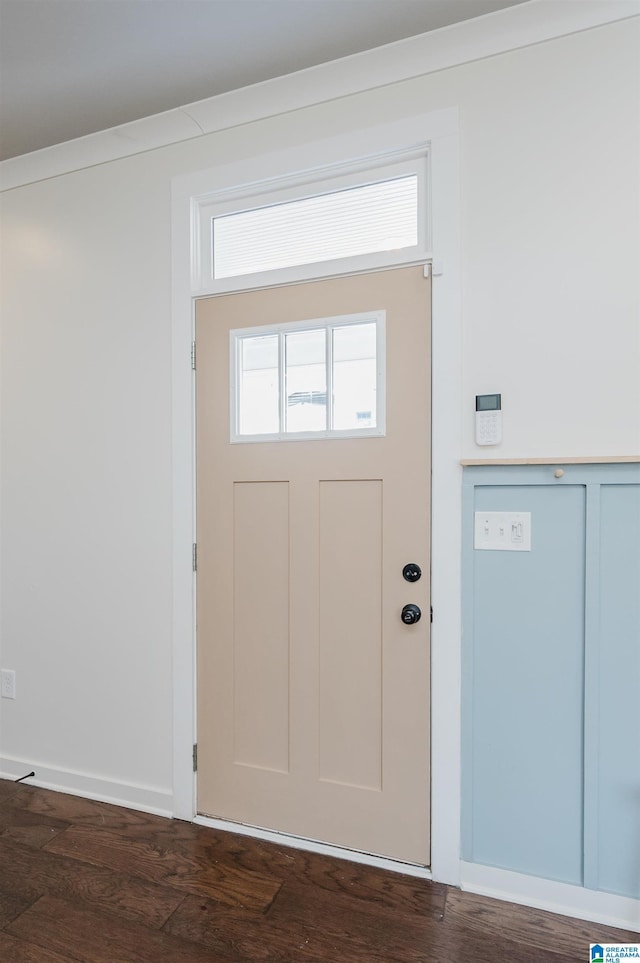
(84, 881)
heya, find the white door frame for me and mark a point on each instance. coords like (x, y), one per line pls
(438, 131)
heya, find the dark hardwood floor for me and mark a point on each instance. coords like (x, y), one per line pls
(84, 881)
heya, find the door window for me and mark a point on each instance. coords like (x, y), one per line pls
(311, 379)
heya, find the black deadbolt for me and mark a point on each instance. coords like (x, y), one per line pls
(411, 614)
(412, 572)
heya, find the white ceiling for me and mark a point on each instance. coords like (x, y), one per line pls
(72, 67)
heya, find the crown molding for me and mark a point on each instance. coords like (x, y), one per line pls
(533, 22)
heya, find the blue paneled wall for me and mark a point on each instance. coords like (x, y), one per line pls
(551, 683)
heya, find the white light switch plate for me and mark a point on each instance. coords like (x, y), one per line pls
(502, 531)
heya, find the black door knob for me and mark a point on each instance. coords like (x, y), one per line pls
(411, 614)
(411, 572)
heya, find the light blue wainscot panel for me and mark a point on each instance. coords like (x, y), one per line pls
(551, 677)
(524, 680)
(614, 697)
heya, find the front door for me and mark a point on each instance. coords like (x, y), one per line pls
(313, 685)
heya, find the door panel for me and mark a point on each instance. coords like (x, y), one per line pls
(313, 696)
(261, 624)
(350, 628)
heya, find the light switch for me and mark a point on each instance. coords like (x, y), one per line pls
(502, 531)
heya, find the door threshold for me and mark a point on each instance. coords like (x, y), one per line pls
(313, 846)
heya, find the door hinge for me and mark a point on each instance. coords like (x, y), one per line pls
(193, 356)
(431, 607)
(194, 557)
(195, 757)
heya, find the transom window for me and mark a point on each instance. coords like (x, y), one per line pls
(310, 379)
(341, 219)
(366, 219)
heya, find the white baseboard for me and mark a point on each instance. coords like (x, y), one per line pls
(313, 846)
(143, 798)
(584, 904)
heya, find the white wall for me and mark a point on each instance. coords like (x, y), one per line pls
(549, 194)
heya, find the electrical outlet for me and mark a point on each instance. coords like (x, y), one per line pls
(8, 684)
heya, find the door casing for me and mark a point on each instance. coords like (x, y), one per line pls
(439, 131)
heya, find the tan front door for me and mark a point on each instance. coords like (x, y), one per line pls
(313, 695)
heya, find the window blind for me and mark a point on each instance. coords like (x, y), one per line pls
(360, 220)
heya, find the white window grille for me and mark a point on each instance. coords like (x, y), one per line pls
(313, 379)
